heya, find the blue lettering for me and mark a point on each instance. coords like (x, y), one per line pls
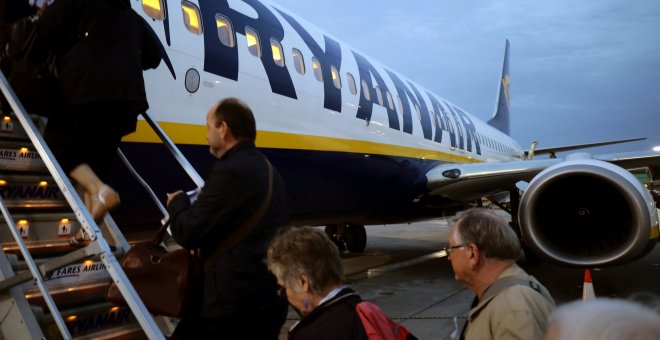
(470, 130)
(441, 121)
(331, 56)
(366, 107)
(223, 60)
(459, 127)
(423, 112)
(404, 93)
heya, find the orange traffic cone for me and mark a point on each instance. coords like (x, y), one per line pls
(588, 288)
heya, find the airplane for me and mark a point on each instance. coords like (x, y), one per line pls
(360, 144)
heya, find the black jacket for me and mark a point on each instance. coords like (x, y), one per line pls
(334, 319)
(235, 188)
(104, 47)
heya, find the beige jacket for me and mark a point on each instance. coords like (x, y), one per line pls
(516, 312)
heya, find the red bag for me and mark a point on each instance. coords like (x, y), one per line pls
(379, 326)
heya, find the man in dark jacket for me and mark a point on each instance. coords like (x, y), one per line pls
(239, 297)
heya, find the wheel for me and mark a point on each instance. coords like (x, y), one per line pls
(356, 238)
(332, 231)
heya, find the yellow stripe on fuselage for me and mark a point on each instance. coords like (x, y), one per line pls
(196, 135)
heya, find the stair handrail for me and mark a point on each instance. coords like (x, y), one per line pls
(178, 155)
(133, 300)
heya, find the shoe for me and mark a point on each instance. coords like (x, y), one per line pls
(106, 200)
(79, 239)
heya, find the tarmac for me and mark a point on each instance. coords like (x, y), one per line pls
(404, 272)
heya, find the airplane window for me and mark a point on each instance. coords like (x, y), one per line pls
(419, 113)
(379, 96)
(365, 89)
(298, 61)
(191, 17)
(318, 74)
(253, 42)
(351, 83)
(154, 9)
(399, 103)
(225, 31)
(336, 80)
(390, 102)
(276, 47)
(432, 118)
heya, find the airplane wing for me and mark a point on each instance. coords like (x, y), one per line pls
(629, 160)
(581, 146)
(469, 181)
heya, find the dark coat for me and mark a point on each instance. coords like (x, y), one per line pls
(104, 47)
(235, 188)
(334, 319)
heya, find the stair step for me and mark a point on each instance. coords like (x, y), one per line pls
(10, 127)
(45, 230)
(20, 156)
(27, 191)
(96, 321)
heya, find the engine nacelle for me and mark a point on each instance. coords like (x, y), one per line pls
(588, 213)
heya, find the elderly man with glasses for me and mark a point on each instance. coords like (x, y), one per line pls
(509, 303)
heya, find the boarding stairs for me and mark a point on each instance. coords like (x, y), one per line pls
(49, 289)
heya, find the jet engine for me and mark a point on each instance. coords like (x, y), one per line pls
(588, 213)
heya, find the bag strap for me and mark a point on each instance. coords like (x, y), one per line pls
(239, 234)
(160, 234)
(502, 284)
(506, 282)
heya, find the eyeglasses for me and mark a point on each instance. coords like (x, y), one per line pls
(450, 249)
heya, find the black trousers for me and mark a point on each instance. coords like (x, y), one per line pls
(264, 323)
(89, 133)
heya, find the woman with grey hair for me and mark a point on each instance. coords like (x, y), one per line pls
(308, 267)
(603, 319)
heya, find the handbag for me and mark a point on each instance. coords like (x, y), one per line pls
(163, 279)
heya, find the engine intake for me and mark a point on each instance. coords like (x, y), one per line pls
(588, 213)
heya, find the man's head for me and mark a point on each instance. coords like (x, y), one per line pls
(481, 242)
(229, 122)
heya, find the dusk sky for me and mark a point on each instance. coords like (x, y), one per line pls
(581, 72)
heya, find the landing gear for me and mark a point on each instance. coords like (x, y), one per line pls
(356, 238)
(332, 230)
(352, 237)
